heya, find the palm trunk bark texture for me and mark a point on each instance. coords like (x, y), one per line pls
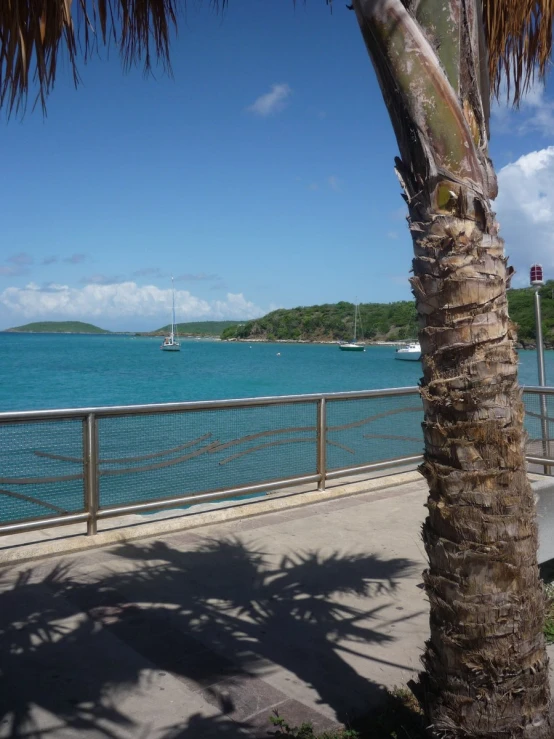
(486, 668)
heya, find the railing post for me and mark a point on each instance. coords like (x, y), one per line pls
(542, 380)
(90, 469)
(321, 442)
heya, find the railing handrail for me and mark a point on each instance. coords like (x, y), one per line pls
(89, 417)
(200, 405)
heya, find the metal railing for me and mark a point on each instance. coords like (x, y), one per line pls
(60, 467)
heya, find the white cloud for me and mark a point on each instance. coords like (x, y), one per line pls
(272, 102)
(525, 209)
(123, 300)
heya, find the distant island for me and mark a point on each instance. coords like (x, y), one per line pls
(197, 328)
(193, 328)
(330, 322)
(58, 327)
(380, 321)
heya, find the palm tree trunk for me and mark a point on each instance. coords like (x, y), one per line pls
(486, 666)
(486, 669)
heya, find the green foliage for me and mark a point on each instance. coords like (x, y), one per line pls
(201, 328)
(522, 312)
(399, 716)
(330, 322)
(306, 731)
(59, 327)
(380, 321)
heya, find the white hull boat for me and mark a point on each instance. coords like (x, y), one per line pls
(170, 343)
(409, 352)
(353, 346)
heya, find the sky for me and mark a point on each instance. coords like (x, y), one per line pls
(260, 176)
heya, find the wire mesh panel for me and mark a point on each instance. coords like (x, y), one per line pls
(373, 430)
(539, 424)
(150, 457)
(41, 469)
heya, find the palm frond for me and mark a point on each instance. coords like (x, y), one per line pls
(34, 32)
(519, 36)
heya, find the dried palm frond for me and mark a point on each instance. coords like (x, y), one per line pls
(519, 35)
(33, 32)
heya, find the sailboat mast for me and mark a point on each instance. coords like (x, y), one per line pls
(355, 319)
(173, 308)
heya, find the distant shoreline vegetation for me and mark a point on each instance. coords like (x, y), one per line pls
(196, 328)
(57, 327)
(328, 323)
(193, 328)
(389, 322)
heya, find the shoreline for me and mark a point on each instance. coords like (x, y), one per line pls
(323, 342)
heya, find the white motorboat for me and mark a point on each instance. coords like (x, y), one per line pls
(170, 343)
(409, 352)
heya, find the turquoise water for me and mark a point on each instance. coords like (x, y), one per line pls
(149, 457)
(53, 371)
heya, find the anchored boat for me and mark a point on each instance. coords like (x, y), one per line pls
(410, 352)
(170, 343)
(353, 346)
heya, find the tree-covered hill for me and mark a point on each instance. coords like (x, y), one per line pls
(59, 327)
(522, 312)
(199, 328)
(331, 322)
(379, 321)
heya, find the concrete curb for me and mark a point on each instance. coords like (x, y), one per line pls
(16, 548)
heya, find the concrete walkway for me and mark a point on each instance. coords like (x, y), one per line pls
(310, 611)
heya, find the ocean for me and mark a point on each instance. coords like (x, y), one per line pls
(59, 370)
(148, 457)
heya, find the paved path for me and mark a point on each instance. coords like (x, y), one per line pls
(204, 633)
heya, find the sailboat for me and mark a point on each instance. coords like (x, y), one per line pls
(170, 343)
(353, 346)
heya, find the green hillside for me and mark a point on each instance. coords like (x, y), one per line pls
(59, 327)
(199, 328)
(380, 321)
(331, 322)
(522, 312)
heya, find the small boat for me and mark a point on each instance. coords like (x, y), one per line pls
(353, 346)
(409, 352)
(170, 343)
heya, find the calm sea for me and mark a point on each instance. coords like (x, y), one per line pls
(160, 456)
(53, 371)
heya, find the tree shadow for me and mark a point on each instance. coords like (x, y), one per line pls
(222, 619)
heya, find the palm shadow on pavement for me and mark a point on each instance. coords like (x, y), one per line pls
(219, 620)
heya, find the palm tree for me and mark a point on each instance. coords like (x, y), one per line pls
(486, 669)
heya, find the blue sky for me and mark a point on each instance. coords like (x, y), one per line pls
(261, 175)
